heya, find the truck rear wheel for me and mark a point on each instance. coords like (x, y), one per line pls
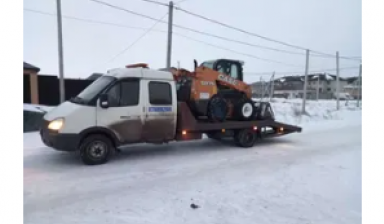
(245, 138)
(96, 149)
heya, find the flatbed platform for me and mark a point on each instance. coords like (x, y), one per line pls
(188, 128)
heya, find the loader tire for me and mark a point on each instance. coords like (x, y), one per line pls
(217, 109)
(245, 110)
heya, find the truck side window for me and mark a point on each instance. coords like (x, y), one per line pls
(125, 93)
(160, 93)
(130, 91)
(114, 95)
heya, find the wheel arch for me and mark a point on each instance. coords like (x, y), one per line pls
(99, 130)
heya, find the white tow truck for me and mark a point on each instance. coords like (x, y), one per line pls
(139, 105)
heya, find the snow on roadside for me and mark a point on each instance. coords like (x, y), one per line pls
(289, 110)
(32, 140)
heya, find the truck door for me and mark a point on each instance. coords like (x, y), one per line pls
(124, 116)
(160, 112)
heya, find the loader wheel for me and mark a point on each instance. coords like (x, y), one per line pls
(217, 109)
(245, 110)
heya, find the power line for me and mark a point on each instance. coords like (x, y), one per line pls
(156, 2)
(320, 54)
(254, 34)
(238, 29)
(162, 3)
(151, 29)
(190, 29)
(237, 52)
(301, 72)
(223, 24)
(88, 20)
(185, 28)
(138, 39)
(149, 17)
(162, 31)
(125, 10)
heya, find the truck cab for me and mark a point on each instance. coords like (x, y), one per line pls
(127, 105)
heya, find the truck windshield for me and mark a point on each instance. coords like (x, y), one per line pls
(93, 90)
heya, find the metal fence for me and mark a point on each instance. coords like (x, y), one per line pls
(48, 89)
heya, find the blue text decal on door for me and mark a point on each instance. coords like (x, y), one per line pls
(160, 109)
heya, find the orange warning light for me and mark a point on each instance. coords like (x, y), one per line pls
(138, 65)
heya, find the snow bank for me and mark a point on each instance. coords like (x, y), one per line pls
(289, 110)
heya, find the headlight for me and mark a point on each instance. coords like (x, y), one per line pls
(56, 124)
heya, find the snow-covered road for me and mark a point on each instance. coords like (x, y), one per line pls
(312, 177)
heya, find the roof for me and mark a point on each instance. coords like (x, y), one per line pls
(140, 73)
(290, 79)
(314, 76)
(351, 80)
(31, 67)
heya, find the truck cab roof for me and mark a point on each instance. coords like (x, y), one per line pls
(144, 73)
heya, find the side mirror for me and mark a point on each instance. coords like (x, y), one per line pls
(103, 101)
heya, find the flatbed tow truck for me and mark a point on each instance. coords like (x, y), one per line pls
(139, 105)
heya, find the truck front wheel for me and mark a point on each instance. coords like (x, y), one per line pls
(96, 149)
(245, 138)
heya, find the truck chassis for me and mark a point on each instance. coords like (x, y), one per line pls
(244, 133)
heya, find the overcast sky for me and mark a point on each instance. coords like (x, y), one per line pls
(323, 25)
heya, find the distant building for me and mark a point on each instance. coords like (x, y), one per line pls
(354, 87)
(293, 86)
(31, 84)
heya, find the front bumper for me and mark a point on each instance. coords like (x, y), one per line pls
(58, 141)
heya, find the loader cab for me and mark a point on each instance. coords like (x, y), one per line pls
(233, 68)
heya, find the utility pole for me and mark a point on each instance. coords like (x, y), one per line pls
(272, 87)
(60, 52)
(169, 44)
(305, 81)
(360, 87)
(261, 88)
(318, 87)
(337, 82)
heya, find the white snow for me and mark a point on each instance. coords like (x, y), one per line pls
(311, 177)
(328, 77)
(289, 110)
